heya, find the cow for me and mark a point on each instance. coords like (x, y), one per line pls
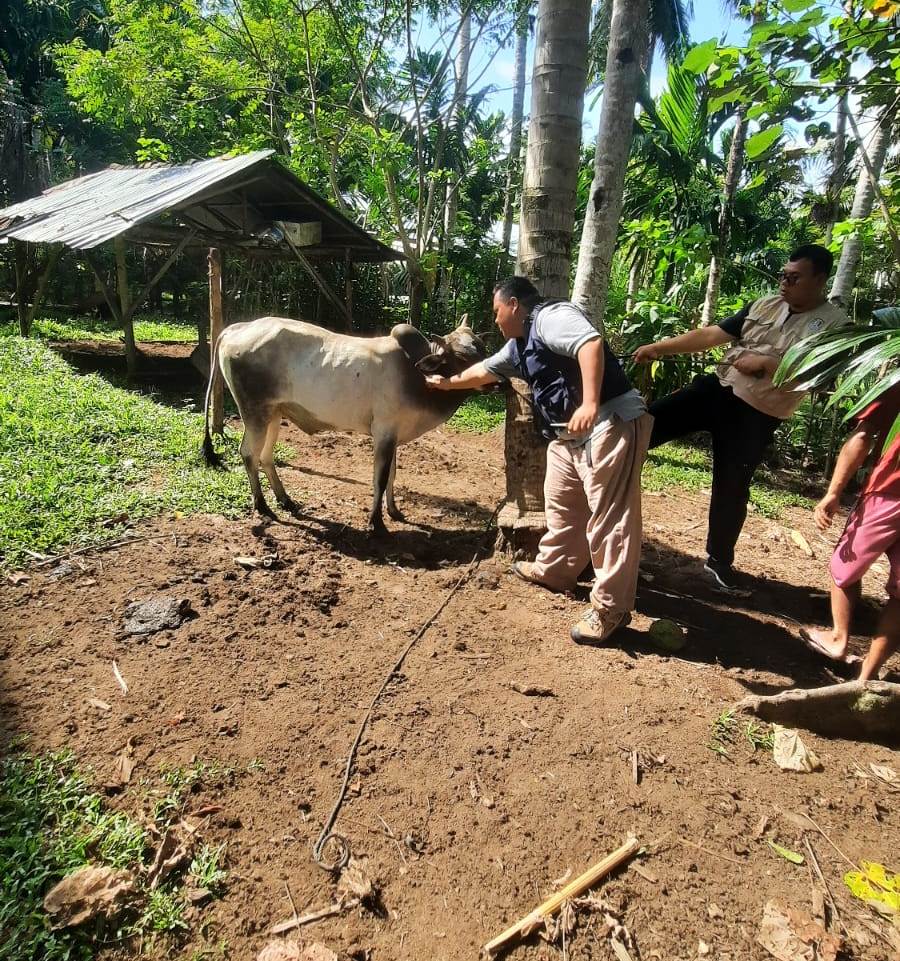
(321, 380)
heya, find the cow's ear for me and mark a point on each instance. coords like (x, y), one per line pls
(438, 343)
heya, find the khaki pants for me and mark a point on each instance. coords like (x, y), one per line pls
(593, 511)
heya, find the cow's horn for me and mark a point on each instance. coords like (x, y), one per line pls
(464, 321)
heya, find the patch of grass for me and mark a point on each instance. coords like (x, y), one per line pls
(726, 733)
(78, 456)
(51, 822)
(181, 781)
(93, 328)
(479, 413)
(690, 468)
(163, 913)
(206, 870)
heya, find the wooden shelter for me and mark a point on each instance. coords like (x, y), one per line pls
(248, 204)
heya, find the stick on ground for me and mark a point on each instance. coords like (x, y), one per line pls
(571, 890)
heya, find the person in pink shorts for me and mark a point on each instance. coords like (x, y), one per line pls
(873, 529)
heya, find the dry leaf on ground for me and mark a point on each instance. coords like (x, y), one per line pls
(790, 934)
(125, 763)
(173, 851)
(86, 893)
(791, 754)
(355, 879)
(802, 543)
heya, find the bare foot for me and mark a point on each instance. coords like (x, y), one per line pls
(822, 641)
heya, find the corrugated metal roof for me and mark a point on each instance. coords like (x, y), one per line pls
(88, 211)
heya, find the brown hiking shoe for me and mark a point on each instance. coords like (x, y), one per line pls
(597, 627)
(525, 570)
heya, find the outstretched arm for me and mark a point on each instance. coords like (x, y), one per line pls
(693, 342)
(475, 376)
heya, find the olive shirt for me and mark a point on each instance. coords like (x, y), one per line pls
(768, 326)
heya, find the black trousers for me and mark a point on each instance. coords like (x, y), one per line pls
(740, 436)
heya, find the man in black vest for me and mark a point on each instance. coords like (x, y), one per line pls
(598, 428)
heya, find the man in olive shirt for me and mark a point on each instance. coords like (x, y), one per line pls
(739, 405)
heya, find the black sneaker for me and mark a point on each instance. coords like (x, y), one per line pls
(723, 576)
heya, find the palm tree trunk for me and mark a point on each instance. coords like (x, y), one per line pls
(451, 210)
(546, 224)
(836, 179)
(845, 275)
(732, 177)
(629, 38)
(513, 176)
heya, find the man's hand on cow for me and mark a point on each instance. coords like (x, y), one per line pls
(437, 382)
(582, 420)
(753, 365)
(825, 510)
(646, 354)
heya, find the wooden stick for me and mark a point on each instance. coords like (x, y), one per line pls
(296, 922)
(571, 890)
(713, 854)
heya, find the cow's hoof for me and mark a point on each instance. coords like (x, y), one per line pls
(377, 528)
(396, 514)
(291, 506)
(264, 510)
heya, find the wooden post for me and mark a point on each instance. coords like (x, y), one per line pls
(348, 288)
(46, 274)
(131, 357)
(217, 401)
(21, 286)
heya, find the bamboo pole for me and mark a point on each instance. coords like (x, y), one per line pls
(217, 401)
(571, 890)
(131, 357)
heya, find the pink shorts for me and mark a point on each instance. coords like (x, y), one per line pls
(873, 529)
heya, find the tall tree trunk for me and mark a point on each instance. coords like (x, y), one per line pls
(629, 37)
(634, 283)
(836, 179)
(545, 232)
(845, 275)
(732, 177)
(513, 169)
(451, 210)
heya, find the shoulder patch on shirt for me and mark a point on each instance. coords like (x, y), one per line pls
(815, 325)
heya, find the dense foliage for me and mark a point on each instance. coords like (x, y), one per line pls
(388, 109)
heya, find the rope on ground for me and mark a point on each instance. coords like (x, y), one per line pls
(327, 837)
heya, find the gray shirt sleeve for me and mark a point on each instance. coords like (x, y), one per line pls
(565, 329)
(505, 363)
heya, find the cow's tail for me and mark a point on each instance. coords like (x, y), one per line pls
(209, 452)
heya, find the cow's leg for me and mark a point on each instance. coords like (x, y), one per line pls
(252, 444)
(385, 449)
(393, 510)
(267, 462)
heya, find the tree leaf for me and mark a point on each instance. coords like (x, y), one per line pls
(699, 58)
(760, 142)
(786, 853)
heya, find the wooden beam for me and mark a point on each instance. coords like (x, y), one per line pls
(217, 401)
(108, 294)
(142, 296)
(53, 256)
(21, 255)
(131, 354)
(320, 282)
(348, 285)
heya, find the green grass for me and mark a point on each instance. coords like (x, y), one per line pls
(479, 413)
(689, 468)
(51, 822)
(92, 328)
(78, 455)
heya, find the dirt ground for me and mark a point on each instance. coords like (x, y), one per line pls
(489, 794)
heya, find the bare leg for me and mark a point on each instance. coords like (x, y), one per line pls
(267, 461)
(843, 601)
(885, 642)
(392, 508)
(252, 444)
(385, 448)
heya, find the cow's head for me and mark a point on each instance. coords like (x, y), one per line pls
(453, 353)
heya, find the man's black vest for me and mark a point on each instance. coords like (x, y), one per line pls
(555, 380)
